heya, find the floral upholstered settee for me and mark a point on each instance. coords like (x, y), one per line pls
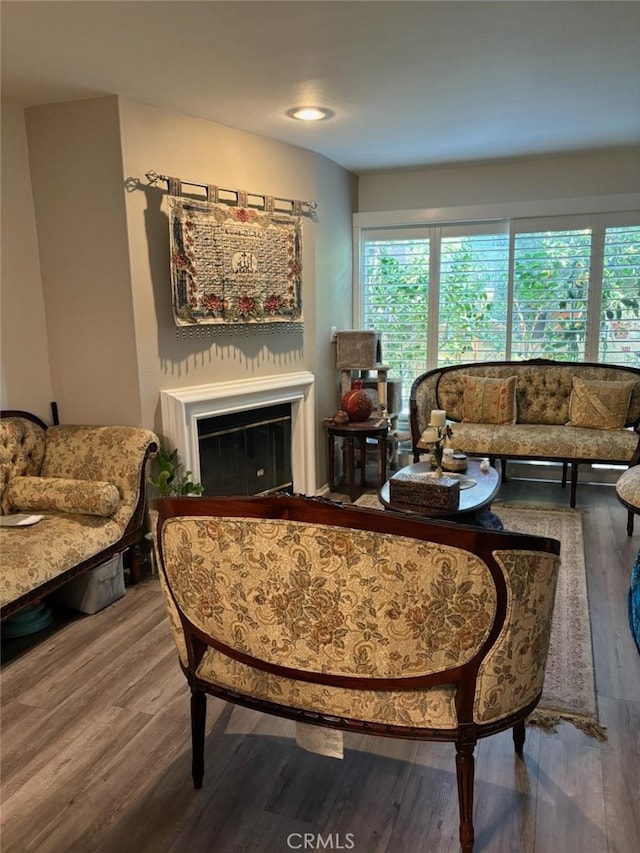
(569, 412)
(88, 483)
(357, 620)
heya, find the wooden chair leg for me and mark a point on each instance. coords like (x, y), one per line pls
(503, 468)
(574, 484)
(363, 461)
(629, 523)
(565, 466)
(135, 563)
(519, 736)
(465, 764)
(198, 718)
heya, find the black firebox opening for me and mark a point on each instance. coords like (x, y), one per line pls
(246, 453)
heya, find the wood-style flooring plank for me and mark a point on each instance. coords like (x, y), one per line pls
(427, 815)
(611, 554)
(104, 641)
(570, 806)
(60, 774)
(506, 792)
(621, 773)
(369, 794)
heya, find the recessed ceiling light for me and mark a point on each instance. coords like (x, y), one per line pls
(309, 113)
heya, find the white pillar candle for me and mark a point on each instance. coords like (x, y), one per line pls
(429, 436)
(438, 418)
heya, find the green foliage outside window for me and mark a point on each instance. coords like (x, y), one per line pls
(620, 310)
(550, 292)
(473, 299)
(545, 307)
(397, 304)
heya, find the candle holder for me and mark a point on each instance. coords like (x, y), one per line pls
(443, 433)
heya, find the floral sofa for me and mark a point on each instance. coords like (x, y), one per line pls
(357, 619)
(88, 483)
(569, 412)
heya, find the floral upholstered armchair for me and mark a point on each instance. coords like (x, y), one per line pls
(268, 597)
(87, 483)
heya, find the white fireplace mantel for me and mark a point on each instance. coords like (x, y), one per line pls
(182, 408)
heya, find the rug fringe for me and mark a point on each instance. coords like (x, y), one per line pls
(549, 721)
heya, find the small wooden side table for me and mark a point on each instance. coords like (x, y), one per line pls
(375, 428)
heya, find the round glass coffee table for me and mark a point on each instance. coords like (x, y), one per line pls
(477, 489)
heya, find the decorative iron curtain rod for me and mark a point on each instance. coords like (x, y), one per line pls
(153, 177)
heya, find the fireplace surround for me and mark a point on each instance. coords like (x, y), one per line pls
(183, 408)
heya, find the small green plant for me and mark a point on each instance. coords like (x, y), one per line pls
(172, 480)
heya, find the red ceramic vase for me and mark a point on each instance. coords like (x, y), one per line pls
(357, 403)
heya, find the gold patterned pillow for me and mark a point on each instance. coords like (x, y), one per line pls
(599, 403)
(57, 494)
(489, 401)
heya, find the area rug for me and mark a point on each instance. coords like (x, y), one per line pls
(569, 687)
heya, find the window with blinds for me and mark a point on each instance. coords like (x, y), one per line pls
(396, 301)
(620, 309)
(473, 280)
(550, 294)
(566, 288)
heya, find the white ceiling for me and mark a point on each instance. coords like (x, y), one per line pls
(411, 83)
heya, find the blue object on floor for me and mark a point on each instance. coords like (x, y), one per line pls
(30, 619)
(634, 602)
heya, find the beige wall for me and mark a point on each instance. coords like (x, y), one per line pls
(334, 271)
(570, 176)
(104, 251)
(201, 151)
(76, 170)
(24, 359)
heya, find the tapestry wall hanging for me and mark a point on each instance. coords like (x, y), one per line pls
(234, 264)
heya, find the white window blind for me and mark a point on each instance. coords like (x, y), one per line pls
(566, 288)
(550, 294)
(473, 280)
(396, 301)
(620, 306)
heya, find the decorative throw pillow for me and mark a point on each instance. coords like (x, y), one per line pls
(489, 401)
(56, 494)
(599, 403)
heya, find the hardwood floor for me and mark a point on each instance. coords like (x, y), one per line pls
(96, 747)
